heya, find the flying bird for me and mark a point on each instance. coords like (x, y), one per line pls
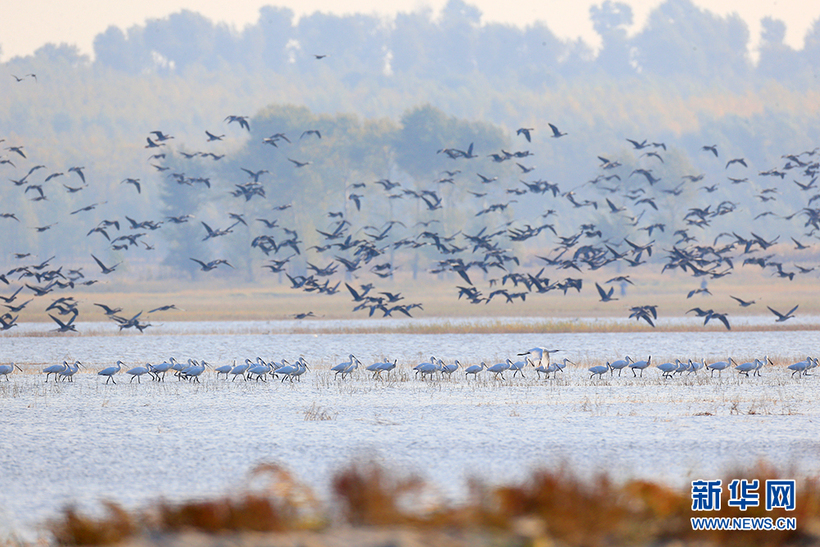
(526, 132)
(606, 296)
(555, 132)
(135, 182)
(241, 120)
(743, 303)
(783, 316)
(105, 269)
(79, 171)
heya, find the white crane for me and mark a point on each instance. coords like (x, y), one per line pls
(179, 368)
(260, 369)
(286, 370)
(69, 371)
(5, 370)
(683, 367)
(387, 366)
(598, 370)
(54, 369)
(195, 370)
(760, 364)
(350, 368)
(553, 368)
(225, 369)
(518, 366)
(720, 366)
(747, 367)
(345, 367)
(375, 367)
(301, 368)
(159, 371)
(137, 372)
(619, 365)
(801, 367)
(668, 368)
(449, 369)
(641, 365)
(474, 370)
(428, 367)
(110, 372)
(240, 370)
(499, 368)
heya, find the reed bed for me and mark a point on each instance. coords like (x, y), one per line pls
(503, 325)
(548, 507)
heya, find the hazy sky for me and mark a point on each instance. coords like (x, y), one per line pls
(26, 25)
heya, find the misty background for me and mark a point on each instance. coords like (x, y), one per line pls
(387, 97)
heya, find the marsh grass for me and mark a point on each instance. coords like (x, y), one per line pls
(74, 528)
(549, 506)
(501, 325)
(316, 413)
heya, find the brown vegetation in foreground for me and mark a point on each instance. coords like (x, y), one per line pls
(550, 507)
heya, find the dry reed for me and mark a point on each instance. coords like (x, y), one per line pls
(551, 506)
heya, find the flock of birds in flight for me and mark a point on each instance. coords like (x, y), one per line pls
(362, 252)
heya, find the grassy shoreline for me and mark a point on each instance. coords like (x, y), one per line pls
(466, 325)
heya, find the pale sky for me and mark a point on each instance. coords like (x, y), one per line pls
(28, 24)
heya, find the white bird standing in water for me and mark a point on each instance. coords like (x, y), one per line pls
(240, 370)
(137, 373)
(598, 370)
(341, 368)
(801, 367)
(110, 372)
(428, 367)
(159, 371)
(747, 367)
(69, 371)
(225, 369)
(5, 370)
(449, 369)
(518, 366)
(619, 365)
(474, 370)
(668, 368)
(54, 369)
(640, 365)
(499, 368)
(720, 366)
(195, 370)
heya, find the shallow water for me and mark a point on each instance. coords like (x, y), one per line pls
(134, 443)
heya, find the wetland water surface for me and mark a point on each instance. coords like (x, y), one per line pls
(134, 443)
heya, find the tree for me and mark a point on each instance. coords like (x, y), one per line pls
(777, 60)
(611, 20)
(682, 40)
(264, 44)
(113, 50)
